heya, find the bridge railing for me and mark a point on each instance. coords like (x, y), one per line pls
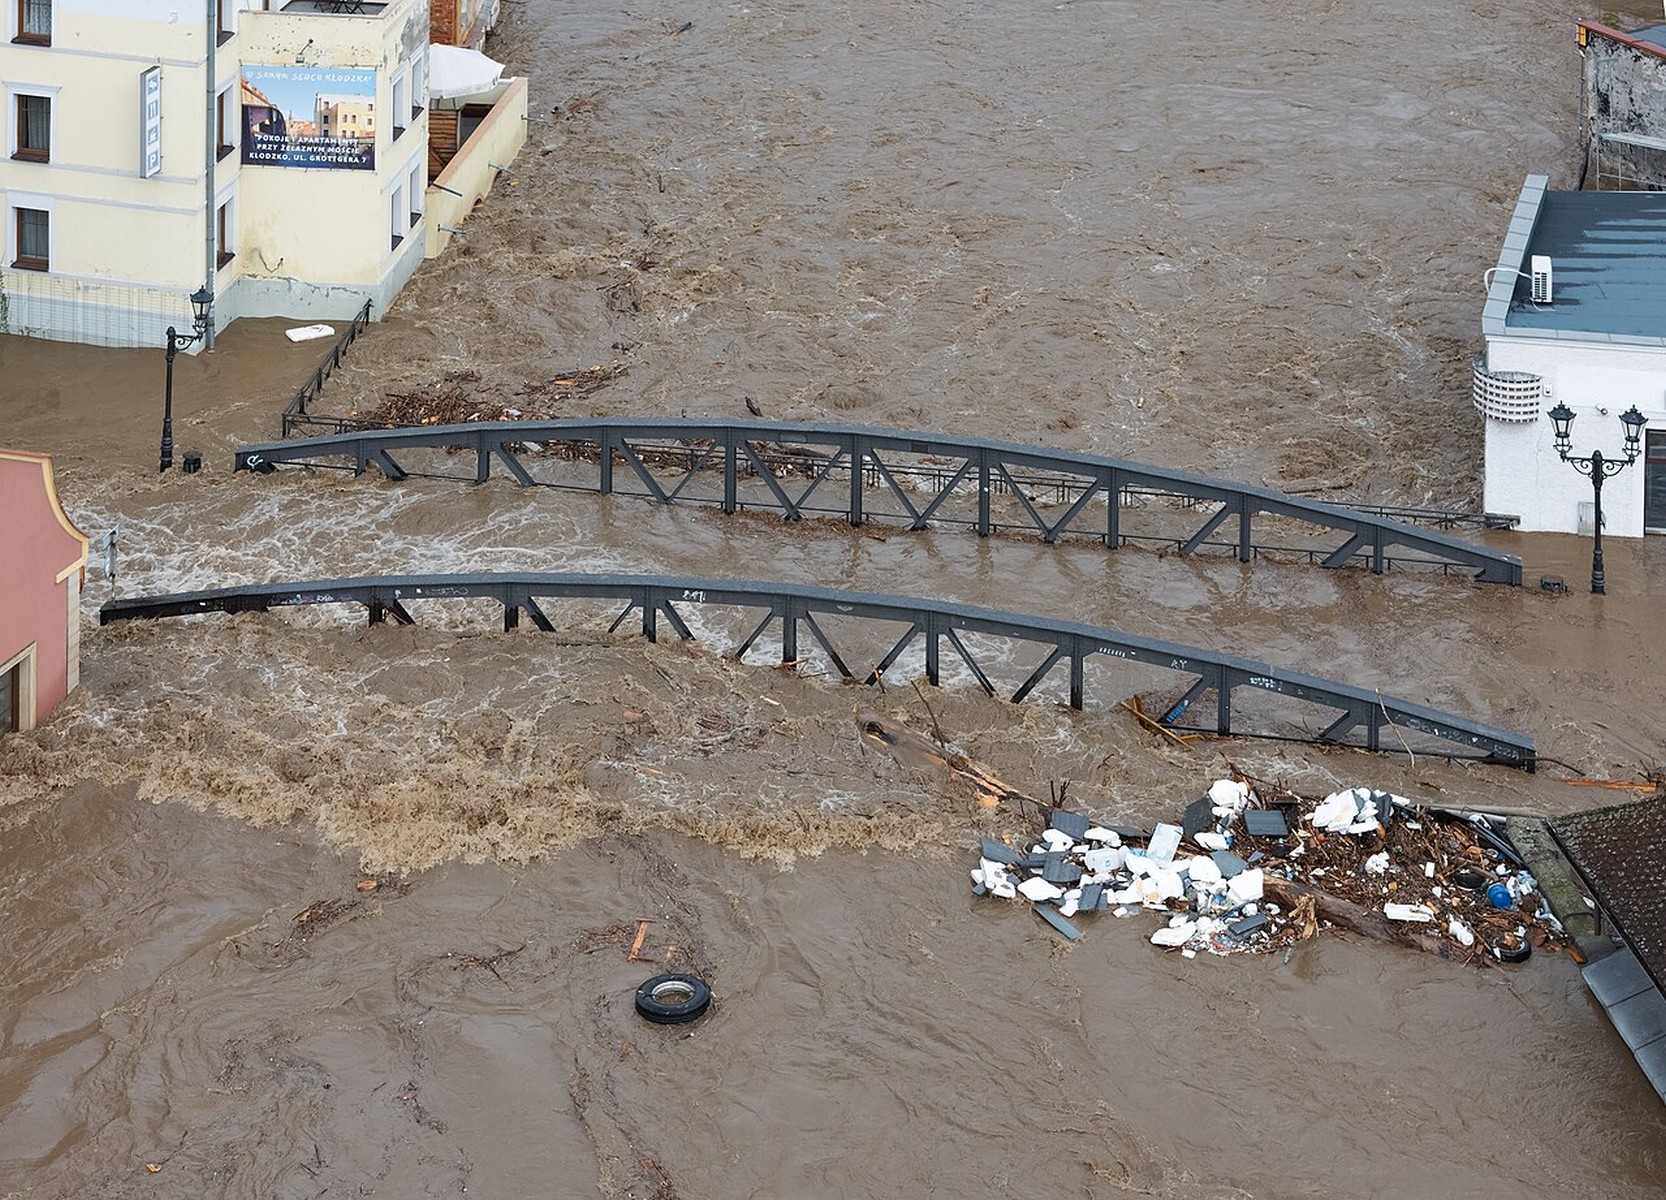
(807, 621)
(860, 473)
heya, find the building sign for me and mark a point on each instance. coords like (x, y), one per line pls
(150, 122)
(323, 117)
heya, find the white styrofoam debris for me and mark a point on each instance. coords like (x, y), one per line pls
(1201, 870)
(1169, 886)
(1185, 953)
(1057, 840)
(1209, 839)
(1004, 888)
(1251, 910)
(1461, 931)
(1069, 907)
(1111, 858)
(1229, 793)
(1429, 870)
(1407, 912)
(1137, 864)
(1173, 935)
(1163, 842)
(1245, 886)
(1377, 864)
(1037, 888)
(1096, 834)
(1335, 812)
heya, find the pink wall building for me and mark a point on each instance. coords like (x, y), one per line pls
(42, 556)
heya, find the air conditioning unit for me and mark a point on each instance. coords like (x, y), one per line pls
(1541, 279)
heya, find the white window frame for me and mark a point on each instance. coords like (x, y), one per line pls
(24, 664)
(227, 100)
(39, 202)
(419, 84)
(47, 92)
(398, 217)
(401, 104)
(416, 192)
(227, 199)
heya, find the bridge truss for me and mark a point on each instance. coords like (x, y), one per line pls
(862, 637)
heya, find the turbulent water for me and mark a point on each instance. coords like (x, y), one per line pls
(1246, 240)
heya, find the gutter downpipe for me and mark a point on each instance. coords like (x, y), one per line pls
(209, 144)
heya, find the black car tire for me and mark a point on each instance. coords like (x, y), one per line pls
(1517, 954)
(673, 999)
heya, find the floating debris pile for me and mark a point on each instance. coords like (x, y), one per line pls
(460, 396)
(1257, 870)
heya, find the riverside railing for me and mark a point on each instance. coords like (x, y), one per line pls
(295, 416)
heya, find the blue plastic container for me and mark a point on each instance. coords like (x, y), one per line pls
(1499, 895)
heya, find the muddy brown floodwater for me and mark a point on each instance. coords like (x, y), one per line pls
(1243, 239)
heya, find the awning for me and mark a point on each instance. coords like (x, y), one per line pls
(455, 71)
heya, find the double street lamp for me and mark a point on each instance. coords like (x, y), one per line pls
(1598, 468)
(201, 301)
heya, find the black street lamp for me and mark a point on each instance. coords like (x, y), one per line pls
(1599, 469)
(201, 301)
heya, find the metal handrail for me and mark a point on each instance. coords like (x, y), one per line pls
(859, 460)
(295, 415)
(795, 609)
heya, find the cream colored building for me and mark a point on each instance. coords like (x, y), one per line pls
(274, 150)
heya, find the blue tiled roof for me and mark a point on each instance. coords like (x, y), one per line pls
(1608, 265)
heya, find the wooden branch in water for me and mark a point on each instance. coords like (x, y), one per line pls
(1154, 725)
(1345, 914)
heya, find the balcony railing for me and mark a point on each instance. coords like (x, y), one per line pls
(344, 8)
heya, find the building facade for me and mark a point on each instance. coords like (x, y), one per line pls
(40, 592)
(274, 151)
(462, 22)
(1622, 106)
(1576, 315)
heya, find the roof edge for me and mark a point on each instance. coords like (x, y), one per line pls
(1512, 254)
(49, 481)
(1586, 28)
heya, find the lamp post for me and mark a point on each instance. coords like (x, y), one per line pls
(201, 301)
(1599, 469)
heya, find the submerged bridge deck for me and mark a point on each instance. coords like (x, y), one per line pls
(1249, 698)
(859, 474)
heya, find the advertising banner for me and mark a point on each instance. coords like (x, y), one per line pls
(320, 117)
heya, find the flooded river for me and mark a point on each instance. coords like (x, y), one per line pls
(1242, 240)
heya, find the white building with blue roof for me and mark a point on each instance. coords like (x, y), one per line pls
(1576, 315)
